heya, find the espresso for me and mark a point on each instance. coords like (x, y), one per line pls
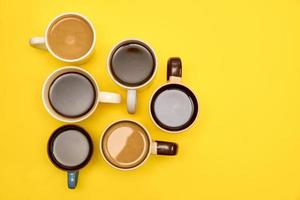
(72, 95)
(132, 64)
(71, 148)
(125, 144)
(70, 37)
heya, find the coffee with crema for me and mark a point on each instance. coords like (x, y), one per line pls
(125, 144)
(70, 37)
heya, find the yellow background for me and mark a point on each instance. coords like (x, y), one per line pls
(242, 58)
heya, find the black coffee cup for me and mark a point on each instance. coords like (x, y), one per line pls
(70, 148)
(173, 106)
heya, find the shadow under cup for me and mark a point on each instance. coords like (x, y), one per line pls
(70, 148)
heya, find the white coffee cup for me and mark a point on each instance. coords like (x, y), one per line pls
(43, 43)
(100, 96)
(131, 90)
(154, 147)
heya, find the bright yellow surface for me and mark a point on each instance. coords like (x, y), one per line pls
(241, 57)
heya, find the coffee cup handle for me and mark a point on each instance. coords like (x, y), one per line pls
(131, 101)
(109, 97)
(38, 42)
(164, 148)
(174, 69)
(72, 179)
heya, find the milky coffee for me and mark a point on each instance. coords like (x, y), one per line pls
(70, 37)
(125, 144)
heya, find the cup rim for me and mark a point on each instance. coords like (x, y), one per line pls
(59, 116)
(166, 130)
(116, 46)
(59, 131)
(76, 59)
(101, 145)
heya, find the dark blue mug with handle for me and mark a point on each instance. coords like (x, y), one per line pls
(70, 148)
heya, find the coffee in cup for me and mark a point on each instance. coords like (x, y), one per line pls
(126, 145)
(132, 64)
(70, 148)
(71, 94)
(69, 37)
(173, 106)
(69, 87)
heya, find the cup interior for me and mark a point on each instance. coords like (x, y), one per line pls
(70, 37)
(174, 107)
(70, 147)
(125, 144)
(132, 63)
(46, 89)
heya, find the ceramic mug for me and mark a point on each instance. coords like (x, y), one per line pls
(71, 94)
(126, 145)
(70, 148)
(132, 65)
(73, 33)
(174, 107)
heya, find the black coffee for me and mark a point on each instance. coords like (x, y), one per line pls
(72, 95)
(174, 107)
(132, 64)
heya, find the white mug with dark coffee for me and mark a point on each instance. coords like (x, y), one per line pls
(70, 148)
(127, 144)
(71, 94)
(69, 37)
(173, 106)
(132, 65)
